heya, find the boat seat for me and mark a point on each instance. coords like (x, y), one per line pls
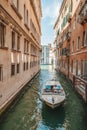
(58, 87)
(47, 88)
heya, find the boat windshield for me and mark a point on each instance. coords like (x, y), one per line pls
(51, 88)
(48, 86)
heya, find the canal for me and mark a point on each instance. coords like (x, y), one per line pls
(29, 113)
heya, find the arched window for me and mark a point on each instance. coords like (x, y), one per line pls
(27, 16)
(24, 13)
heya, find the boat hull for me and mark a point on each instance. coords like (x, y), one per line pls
(53, 106)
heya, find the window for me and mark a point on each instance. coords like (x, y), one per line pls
(24, 67)
(18, 42)
(78, 43)
(73, 46)
(18, 68)
(27, 66)
(2, 35)
(76, 67)
(74, 26)
(12, 69)
(13, 40)
(72, 66)
(27, 16)
(1, 73)
(81, 67)
(84, 67)
(18, 5)
(24, 14)
(84, 42)
(27, 46)
(24, 45)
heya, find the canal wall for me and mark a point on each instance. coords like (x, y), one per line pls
(6, 102)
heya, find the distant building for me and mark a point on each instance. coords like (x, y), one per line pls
(20, 46)
(71, 43)
(46, 55)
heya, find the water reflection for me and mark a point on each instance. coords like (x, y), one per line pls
(54, 119)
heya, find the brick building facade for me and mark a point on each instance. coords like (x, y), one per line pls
(20, 45)
(71, 43)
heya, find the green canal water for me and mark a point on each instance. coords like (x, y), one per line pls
(29, 113)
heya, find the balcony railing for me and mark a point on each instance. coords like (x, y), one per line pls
(83, 13)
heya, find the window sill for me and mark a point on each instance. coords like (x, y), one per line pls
(4, 48)
(16, 11)
(18, 51)
(18, 73)
(27, 53)
(77, 50)
(33, 54)
(13, 75)
(13, 50)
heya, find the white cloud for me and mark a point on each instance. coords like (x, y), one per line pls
(52, 11)
(46, 13)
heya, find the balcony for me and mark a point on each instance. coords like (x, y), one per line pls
(60, 43)
(68, 36)
(83, 13)
(57, 46)
(65, 51)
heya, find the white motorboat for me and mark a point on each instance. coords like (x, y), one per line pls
(53, 94)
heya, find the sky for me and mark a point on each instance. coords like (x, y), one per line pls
(50, 12)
